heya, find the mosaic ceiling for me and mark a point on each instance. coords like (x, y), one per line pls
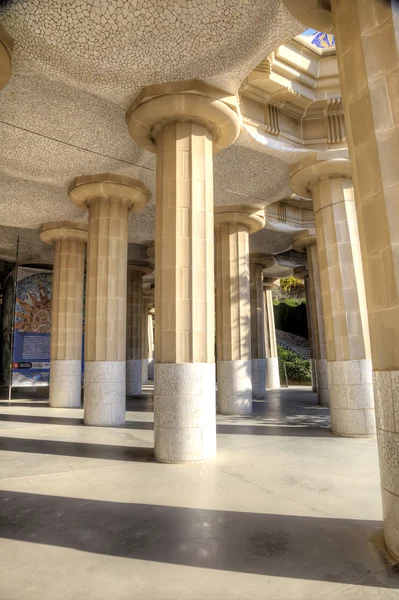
(77, 65)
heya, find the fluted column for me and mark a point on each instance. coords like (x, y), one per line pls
(184, 123)
(258, 262)
(135, 328)
(368, 61)
(109, 198)
(6, 48)
(343, 294)
(311, 333)
(233, 224)
(306, 241)
(272, 368)
(69, 241)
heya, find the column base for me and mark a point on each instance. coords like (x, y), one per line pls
(259, 378)
(322, 382)
(272, 374)
(134, 373)
(144, 370)
(65, 383)
(351, 398)
(105, 393)
(234, 387)
(150, 369)
(386, 394)
(184, 412)
(313, 370)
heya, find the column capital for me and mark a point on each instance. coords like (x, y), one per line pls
(270, 283)
(264, 260)
(193, 101)
(6, 48)
(86, 188)
(140, 265)
(252, 217)
(150, 250)
(63, 230)
(310, 171)
(303, 239)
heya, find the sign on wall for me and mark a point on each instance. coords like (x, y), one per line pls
(31, 355)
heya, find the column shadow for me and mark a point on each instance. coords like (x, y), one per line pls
(274, 545)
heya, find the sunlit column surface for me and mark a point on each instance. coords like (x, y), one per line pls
(109, 199)
(184, 123)
(69, 241)
(272, 368)
(233, 224)
(343, 293)
(367, 37)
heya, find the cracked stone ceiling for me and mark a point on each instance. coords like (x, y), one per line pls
(78, 64)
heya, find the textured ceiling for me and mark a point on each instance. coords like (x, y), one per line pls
(77, 65)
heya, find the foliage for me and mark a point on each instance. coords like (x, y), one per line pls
(288, 282)
(298, 368)
(291, 317)
(290, 301)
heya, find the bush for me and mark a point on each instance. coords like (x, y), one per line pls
(298, 368)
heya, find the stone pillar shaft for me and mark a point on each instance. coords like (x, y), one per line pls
(368, 61)
(233, 313)
(184, 123)
(184, 296)
(66, 311)
(105, 339)
(109, 199)
(317, 317)
(344, 308)
(134, 331)
(272, 366)
(311, 333)
(145, 341)
(257, 330)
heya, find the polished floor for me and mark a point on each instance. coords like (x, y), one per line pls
(286, 511)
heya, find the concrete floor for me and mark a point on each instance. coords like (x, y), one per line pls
(286, 511)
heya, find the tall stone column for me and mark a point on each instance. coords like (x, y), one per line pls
(233, 224)
(69, 241)
(368, 62)
(184, 123)
(6, 48)
(151, 316)
(343, 294)
(145, 342)
(109, 198)
(258, 262)
(306, 241)
(135, 329)
(311, 333)
(272, 368)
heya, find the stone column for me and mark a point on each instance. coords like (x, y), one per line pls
(258, 262)
(272, 368)
(306, 241)
(135, 329)
(151, 316)
(184, 123)
(145, 340)
(343, 293)
(368, 62)
(6, 48)
(69, 241)
(233, 224)
(109, 198)
(309, 308)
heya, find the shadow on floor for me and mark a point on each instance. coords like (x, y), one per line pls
(77, 449)
(239, 428)
(323, 549)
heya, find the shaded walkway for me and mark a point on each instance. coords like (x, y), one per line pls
(286, 510)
